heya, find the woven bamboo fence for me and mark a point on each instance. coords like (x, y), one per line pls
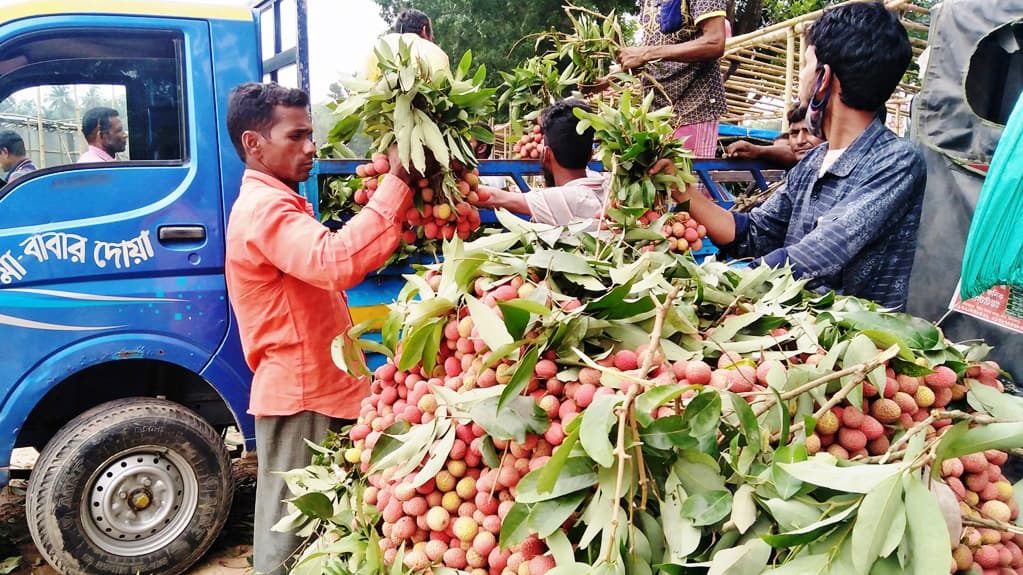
(762, 69)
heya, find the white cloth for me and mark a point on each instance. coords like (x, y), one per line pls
(580, 199)
(829, 160)
(494, 182)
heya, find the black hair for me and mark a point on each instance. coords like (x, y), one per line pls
(251, 107)
(98, 117)
(558, 124)
(12, 142)
(797, 114)
(411, 21)
(868, 51)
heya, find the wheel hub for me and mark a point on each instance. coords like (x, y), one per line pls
(139, 501)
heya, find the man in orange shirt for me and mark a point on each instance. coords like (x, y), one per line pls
(285, 272)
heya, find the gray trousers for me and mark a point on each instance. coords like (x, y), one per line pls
(279, 447)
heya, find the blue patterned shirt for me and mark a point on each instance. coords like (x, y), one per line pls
(852, 230)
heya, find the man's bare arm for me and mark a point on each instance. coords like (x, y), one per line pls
(514, 202)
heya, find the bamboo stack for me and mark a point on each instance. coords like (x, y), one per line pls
(765, 65)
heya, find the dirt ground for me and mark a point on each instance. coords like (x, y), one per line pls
(230, 554)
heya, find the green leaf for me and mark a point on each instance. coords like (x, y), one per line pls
(698, 472)
(926, 527)
(988, 400)
(577, 473)
(681, 537)
(784, 482)
(519, 417)
(910, 368)
(314, 504)
(549, 473)
(597, 421)
(821, 470)
(962, 440)
(491, 327)
(387, 442)
(707, 507)
(653, 398)
(917, 333)
(489, 453)
(802, 565)
(667, 432)
(412, 347)
(884, 340)
(703, 414)
(520, 378)
(439, 452)
(809, 533)
(750, 558)
(546, 517)
(515, 320)
(515, 527)
(744, 508)
(877, 512)
(562, 262)
(432, 346)
(747, 420)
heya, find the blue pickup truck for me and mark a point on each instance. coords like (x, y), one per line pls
(119, 356)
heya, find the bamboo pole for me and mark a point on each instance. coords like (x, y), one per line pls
(39, 127)
(790, 65)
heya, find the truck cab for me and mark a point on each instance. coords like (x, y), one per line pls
(119, 356)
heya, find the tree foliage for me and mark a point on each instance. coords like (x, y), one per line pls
(492, 28)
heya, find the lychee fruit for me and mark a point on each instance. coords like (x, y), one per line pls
(827, 423)
(851, 439)
(943, 376)
(886, 410)
(852, 417)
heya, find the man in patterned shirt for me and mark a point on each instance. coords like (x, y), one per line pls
(684, 68)
(847, 217)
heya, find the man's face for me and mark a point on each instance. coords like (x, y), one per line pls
(808, 77)
(287, 152)
(800, 139)
(5, 159)
(114, 139)
(427, 31)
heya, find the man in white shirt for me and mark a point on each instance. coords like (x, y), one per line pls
(105, 134)
(572, 194)
(413, 28)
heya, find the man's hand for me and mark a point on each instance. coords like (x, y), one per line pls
(741, 149)
(633, 57)
(663, 165)
(397, 170)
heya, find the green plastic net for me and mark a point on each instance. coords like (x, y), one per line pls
(994, 247)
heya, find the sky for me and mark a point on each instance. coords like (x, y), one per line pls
(341, 35)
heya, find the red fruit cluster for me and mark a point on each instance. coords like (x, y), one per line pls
(530, 145)
(982, 491)
(455, 518)
(857, 431)
(684, 233)
(439, 218)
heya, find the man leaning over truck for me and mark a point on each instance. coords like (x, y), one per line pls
(285, 272)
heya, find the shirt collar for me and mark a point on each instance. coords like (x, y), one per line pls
(267, 179)
(852, 155)
(21, 164)
(101, 153)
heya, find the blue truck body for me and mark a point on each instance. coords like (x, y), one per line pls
(111, 275)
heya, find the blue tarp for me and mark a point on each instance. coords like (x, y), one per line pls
(730, 131)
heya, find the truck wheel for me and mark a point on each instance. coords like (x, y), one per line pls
(132, 486)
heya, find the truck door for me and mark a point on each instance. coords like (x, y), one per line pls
(118, 259)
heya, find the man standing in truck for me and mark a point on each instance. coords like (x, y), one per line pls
(285, 275)
(105, 134)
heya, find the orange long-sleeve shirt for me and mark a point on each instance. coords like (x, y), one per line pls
(285, 272)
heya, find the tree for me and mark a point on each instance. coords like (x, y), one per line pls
(492, 28)
(61, 105)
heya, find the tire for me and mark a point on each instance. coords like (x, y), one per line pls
(132, 486)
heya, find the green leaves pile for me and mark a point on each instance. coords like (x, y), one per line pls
(655, 474)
